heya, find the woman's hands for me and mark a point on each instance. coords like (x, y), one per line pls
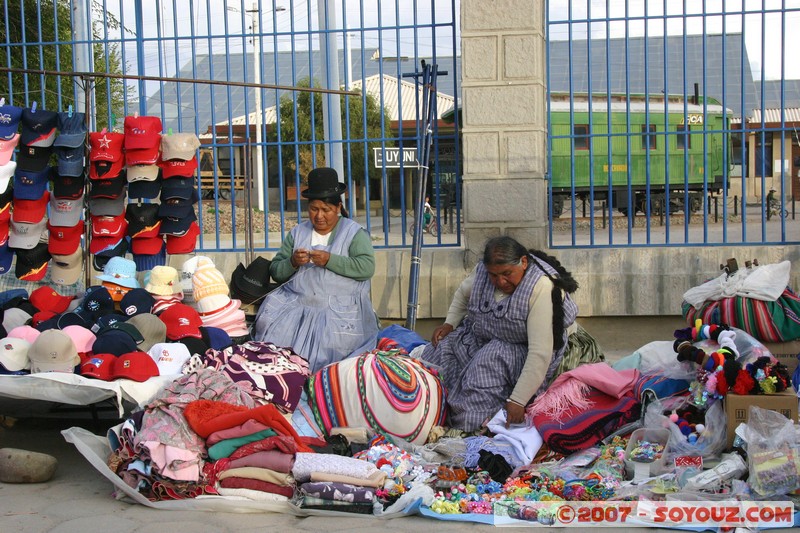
(440, 333)
(302, 257)
(515, 413)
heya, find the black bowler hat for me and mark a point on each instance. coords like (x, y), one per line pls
(323, 182)
(252, 283)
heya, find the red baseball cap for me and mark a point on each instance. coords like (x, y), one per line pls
(30, 211)
(99, 366)
(181, 321)
(106, 146)
(178, 167)
(109, 226)
(142, 133)
(64, 241)
(106, 170)
(142, 156)
(47, 299)
(183, 244)
(147, 245)
(136, 366)
(5, 213)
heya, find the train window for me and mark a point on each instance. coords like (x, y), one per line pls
(648, 139)
(684, 141)
(580, 139)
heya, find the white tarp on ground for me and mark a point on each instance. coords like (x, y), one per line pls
(96, 449)
(74, 389)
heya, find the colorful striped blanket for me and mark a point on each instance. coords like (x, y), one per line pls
(384, 390)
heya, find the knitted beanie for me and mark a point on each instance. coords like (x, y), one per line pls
(208, 281)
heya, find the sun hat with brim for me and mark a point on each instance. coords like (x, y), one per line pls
(323, 182)
(71, 129)
(53, 351)
(153, 330)
(14, 354)
(98, 366)
(66, 269)
(82, 337)
(164, 281)
(10, 124)
(65, 212)
(120, 271)
(7, 149)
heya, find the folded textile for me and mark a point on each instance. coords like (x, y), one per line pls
(251, 494)
(309, 502)
(226, 447)
(246, 428)
(525, 441)
(272, 459)
(278, 442)
(375, 480)
(199, 411)
(173, 462)
(306, 463)
(342, 492)
(256, 484)
(263, 474)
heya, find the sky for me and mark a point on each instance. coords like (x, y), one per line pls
(766, 28)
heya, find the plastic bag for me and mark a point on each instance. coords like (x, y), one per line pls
(772, 453)
(710, 442)
(749, 347)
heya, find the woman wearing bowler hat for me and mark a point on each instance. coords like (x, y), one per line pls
(322, 309)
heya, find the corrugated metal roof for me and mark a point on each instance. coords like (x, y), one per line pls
(407, 96)
(772, 115)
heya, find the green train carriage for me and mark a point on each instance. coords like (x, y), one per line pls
(637, 123)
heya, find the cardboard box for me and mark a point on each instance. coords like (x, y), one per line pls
(737, 407)
(785, 352)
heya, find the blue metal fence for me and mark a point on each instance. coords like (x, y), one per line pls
(671, 122)
(361, 47)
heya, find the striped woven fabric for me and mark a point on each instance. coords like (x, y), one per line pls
(777, 321)
(384, 390)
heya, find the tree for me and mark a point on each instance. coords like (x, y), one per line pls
(310, 151)
(31, 23)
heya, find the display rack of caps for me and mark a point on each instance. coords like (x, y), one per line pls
(24, 229)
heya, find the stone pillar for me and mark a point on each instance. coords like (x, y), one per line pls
(504, 121)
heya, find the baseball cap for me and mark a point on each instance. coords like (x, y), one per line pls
(170, 357)
(142, 220)
(7, 148)
(65, 211)
(136, 302)
(64, 241)
(145, 262)
(98, 366)
(142, 156)
(33, 158)
(106, 146)
(14, 354)
(99, 170)
(147, 245)
(142, 132)
(143, 172)
(107, 206)
(6, 173)
(120, 271)
(136, 366)
(71, 161)
(104, 254)
(215, 338)
(153, 330)
(181, 321)
(53, 351)
(26, 333)
(96, 303)
(178, 188)
(13, 298)
(9, 121)
(121, 325)
(108, 188)
(32, 263)
(66, 269)
(182, 146)
(70, 187)
(145, 189)
(177, 226)
(38, 127)
(25, 235)
(114, 341)
(30, 211)
(47, 299)
(183, 244)
(195, 345)
(177, 207)
(82, 337)
(71, 130)
(109, 226)
(6, 257)
(30, 185)
(108, 320)
(178, 168)
(15, 317)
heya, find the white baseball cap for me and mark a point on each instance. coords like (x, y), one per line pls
(170, 357)
(14, 354)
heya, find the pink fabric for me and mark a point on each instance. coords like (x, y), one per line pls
(247, 428)
(273, 460)
(173, 462)
(570, 389)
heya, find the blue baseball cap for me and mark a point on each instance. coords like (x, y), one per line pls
(136, 302)
(7, 296)
(71, 130)
(216, 338)
(177, 226)
(6, 257)
(145, 262)
(38, 127)
(30, 185)
(96, 302)
(114, 341)
(144, 189)
(72, 161)
(108, 321)
(10, 116)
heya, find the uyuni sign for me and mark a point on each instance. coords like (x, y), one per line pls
(393, 157)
